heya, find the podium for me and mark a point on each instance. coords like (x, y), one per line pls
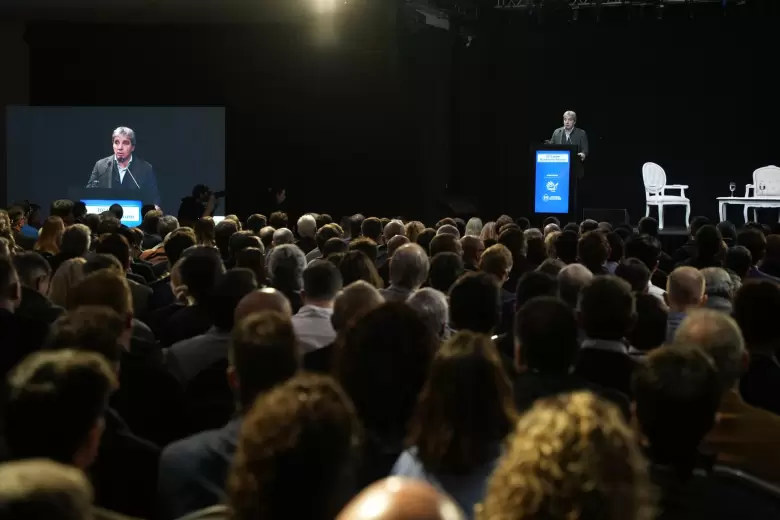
(99, 200)
(555, 170)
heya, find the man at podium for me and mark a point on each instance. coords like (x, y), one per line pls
(569, 134)
(124, 171)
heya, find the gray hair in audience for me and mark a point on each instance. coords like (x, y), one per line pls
(125, 131)
(449, 230)
(307, 226)
(473, 227)
(718, 282)
(571, 280)
(290, 258)
(719, 336)
(409, 266)
(433, 307)
(166, 224)
(38, 488)
(533, 232)
(283, 236)
(76, 240)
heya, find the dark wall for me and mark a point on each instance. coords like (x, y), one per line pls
(691, 95)
(378, 116)
(316, 107)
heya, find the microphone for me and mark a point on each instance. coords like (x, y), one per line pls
(131, 176)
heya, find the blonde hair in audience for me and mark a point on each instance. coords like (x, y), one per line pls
(572, 456)
(549, 243)
(37, 487)
(64, 279)
(413, 230)
(488, 232)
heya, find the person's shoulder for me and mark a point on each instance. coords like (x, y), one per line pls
(104, 161)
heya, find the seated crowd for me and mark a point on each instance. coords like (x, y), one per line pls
(383, 369)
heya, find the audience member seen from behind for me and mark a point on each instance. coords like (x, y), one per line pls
(50, 236)
(570, 453)
(285, 265)
(546, 345)
(401, 499)
(40, 488)
(193, 471)
(743, 437)
(685, 290)
(383, 365)
(302, 434)
(649, 331)
(607, 313)
(312, 323)
(433, 307)
(755, 310)
(409, 267)
(357, 266)
(35, 275)
(464, 413)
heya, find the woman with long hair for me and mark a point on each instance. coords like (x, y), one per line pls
(50, 236)
(204, 232)
(489, 235)
(463, 416)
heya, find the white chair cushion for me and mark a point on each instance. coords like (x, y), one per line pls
(667, 199)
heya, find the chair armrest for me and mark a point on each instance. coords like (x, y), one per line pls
(748, 187)
(681, 187)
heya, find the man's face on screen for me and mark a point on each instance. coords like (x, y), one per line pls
(123, 148)
(568, 122)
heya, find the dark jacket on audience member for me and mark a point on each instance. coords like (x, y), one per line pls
(187, 358)
(760, 386)
(178, 322)
(531, 385)
(125, 473)
(34, 305)
(606, 364)
(193, 471)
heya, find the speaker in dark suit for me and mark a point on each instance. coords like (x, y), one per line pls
(125, 171)
(569, 134)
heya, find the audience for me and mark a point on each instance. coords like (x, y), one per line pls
(162, 368)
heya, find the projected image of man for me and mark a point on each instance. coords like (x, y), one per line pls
(124, 170)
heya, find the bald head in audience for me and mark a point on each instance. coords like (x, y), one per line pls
(718, 335)
(266, 299)
(685, 289)
(571, 280)
(401, 499)
(551, 228)
(352, 302)
(394, 243)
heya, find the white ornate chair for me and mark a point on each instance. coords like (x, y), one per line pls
(655, 193)
(766, 184)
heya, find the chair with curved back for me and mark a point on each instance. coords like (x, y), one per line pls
(766, 185)
(654, 178)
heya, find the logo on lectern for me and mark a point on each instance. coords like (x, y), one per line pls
(546, 197)
(552, 186)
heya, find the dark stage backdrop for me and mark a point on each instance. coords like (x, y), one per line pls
(691, 95)
(375, 115)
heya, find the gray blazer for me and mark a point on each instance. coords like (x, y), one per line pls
(578, 138)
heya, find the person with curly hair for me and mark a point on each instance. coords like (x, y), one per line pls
(464, 413)
(571, 457)
(302, 436)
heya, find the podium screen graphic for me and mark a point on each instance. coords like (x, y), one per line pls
(131, 209)
(551, 186)
(52, 151)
